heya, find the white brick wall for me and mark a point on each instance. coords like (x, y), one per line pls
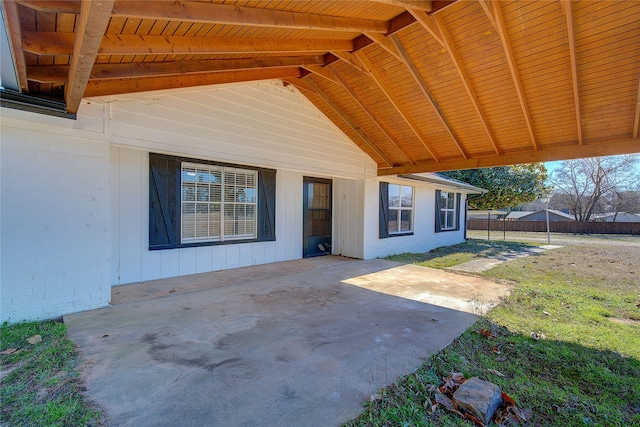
(55, 219)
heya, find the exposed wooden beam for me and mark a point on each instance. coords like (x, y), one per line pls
(424, 87)
(398, 105)
(464, 77)
(386, 44)
(211, 13)
(133, 85)
(352, 60)
(414, 4)
(12, 21)
(568, 13)
(364, 106)
(343, 115)
(401, 21)
(57, 74)
(494, 10)
(91, 25)
(427, 23)
(636, 122)
(52, 6)
(324, 73)
(57, 43)
(574, 151)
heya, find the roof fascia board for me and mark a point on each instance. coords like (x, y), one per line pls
(446, 182)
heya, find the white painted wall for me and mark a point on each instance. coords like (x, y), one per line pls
(74, 200)
(424, 238)
(55, 223)
(257, 124)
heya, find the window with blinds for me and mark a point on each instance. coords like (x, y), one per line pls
(218, 203)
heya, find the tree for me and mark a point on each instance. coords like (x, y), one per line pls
(585, 184)
(508, 186)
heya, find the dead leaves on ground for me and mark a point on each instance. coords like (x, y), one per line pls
(507, 412)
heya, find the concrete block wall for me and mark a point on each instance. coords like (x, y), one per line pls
(55, 222)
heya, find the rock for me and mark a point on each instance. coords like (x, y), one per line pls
(479, 397)
(34, 339)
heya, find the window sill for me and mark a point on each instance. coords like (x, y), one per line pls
(407, 233)
(201, 244)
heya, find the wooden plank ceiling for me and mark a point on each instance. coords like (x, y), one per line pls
(418, 85)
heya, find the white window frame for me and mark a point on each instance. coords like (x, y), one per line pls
(224, 215)
(446, 208)
(400, 208)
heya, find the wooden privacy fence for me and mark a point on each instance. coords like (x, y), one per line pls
(574, 227)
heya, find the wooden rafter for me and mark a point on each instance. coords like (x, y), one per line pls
(324, 73)
(239, 15)
(309, 85)
(636, 121)
(414, 4)
(397, 104)
(92, 23)
(384, 42)
(52, 6)
(12, 20)
(466, 82)
(494, 10)
(352, 60)
(211, 13)
(424, 88)
(58, 73)
(602, 148)
(364, 106)
(427, 23)
(568, 13)
(133, 85)
(56, 43)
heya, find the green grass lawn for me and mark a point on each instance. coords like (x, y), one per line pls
(585, 371)
(40, 381)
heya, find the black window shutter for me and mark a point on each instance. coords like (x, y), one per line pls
(383, 217)
(438, 204)
(458, 197)
(266, 205)
(164, 201)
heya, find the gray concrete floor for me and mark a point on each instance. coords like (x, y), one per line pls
(300, 343)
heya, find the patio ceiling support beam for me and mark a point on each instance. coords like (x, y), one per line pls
(493, 10)
(386, 44)
(636, 122)
(90, 27)
(210, 13)
(371, 114)
(57, 43)
(428, 24)
(573, 151)
(12, 20)
(144, 84)
(352, 60)
(57, 74)
(52, 6)
(464, 77)
(309, 85)
(224, 14)
(568, 13)
(397, 104)
(425, 5)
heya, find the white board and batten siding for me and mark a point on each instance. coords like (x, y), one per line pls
(263, 124)
(75, 194)
(424, 237)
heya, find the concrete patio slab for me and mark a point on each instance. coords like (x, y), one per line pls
(295, 343)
